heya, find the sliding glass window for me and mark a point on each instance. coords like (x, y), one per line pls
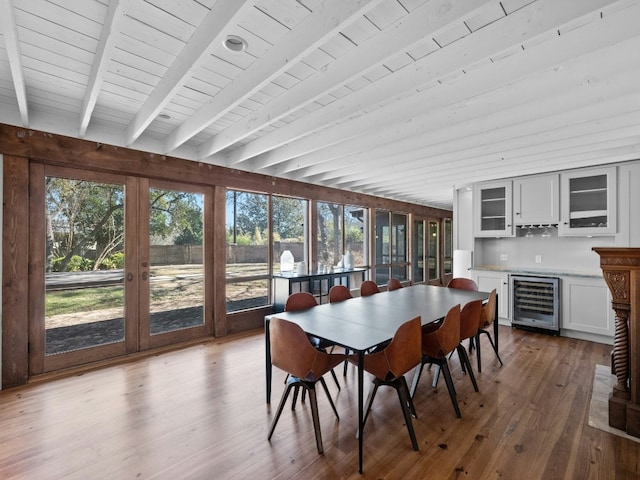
(247, 266)
(391, 246)
(341, 230)
(289, 226)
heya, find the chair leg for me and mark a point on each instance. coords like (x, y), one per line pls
(464, 360)
(283, 400)
(416, 378)
(451, 388)
(313, 400)
(436, 376)
(324, 385)
(346, 363)
(407, 408)
(370, 397)
(493, 345)
(335, 378)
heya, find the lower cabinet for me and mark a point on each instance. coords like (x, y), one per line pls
(586, 309)
(487, 281)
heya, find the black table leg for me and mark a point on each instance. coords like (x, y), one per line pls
(267, 348)
(360, 407)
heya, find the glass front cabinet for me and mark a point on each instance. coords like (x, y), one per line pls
(588, 202)
(493, 209)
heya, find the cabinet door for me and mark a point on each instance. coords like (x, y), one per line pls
(586, 306)
(492, 210)
(487, 281)
(536, 200)
(588, 202)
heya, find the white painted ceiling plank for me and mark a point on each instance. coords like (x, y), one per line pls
(115, 13)
(10, 34)
(215, 27)
(415, 27)
(495, 37)
(554, 91)
(312, 32)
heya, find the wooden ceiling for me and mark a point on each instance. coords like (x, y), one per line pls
(404, 99)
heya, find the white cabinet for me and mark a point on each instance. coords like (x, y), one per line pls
(487, 281)
(536, 200)
(586, 309)
(492, 209)
(588, 202)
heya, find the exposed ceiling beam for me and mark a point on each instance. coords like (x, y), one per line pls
(378, 125)
(10, 33)
(116, 11)
(422, 23)
(462, 122)
(314, 30)
(223, 16)
(484, 44)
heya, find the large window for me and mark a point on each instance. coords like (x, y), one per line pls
(247, 270)
(289, 220)
(341, 229)
(391, 246)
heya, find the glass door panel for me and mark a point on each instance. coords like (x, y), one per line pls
(433, 252)
(176, 270)
(84, 264)
(171, 257)
(418, 251)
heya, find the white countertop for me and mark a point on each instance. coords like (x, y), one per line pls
(537, 271)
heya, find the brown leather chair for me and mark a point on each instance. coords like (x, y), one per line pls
(393, 284)
(302, 301)
(389, 365)
(368, 287)
(305, 365)
(469, 319)
(339, 293)
(487, 317)
(436, 347)
(463, 284)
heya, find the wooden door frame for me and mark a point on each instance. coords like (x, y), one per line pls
(136, 191)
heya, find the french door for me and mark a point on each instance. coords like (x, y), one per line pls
(118, 266)
(426, 251)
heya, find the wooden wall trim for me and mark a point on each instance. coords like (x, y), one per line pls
(78, 153)
(15, 265)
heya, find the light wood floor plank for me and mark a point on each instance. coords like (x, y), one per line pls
(199, 413)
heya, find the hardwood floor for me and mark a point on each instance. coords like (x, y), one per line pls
(200, 412)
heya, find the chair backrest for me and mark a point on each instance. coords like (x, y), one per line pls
(488, 315)
(393, 284)
(462, 283)
(368, 287)
(403, 353)
(292, 351)
(300, 301)
(470, 319)
(339, 293)
(441, 342)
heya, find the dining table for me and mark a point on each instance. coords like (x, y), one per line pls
(362, 323)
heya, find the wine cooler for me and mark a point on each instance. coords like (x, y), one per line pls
(536, 302)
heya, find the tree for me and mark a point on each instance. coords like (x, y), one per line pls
(247, 213)
(86, 219)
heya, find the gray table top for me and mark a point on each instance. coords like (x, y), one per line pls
(364, 322)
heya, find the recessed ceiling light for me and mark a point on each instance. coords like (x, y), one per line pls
(164, 116)
(235, 43)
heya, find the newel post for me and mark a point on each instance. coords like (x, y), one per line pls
(621, 271)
